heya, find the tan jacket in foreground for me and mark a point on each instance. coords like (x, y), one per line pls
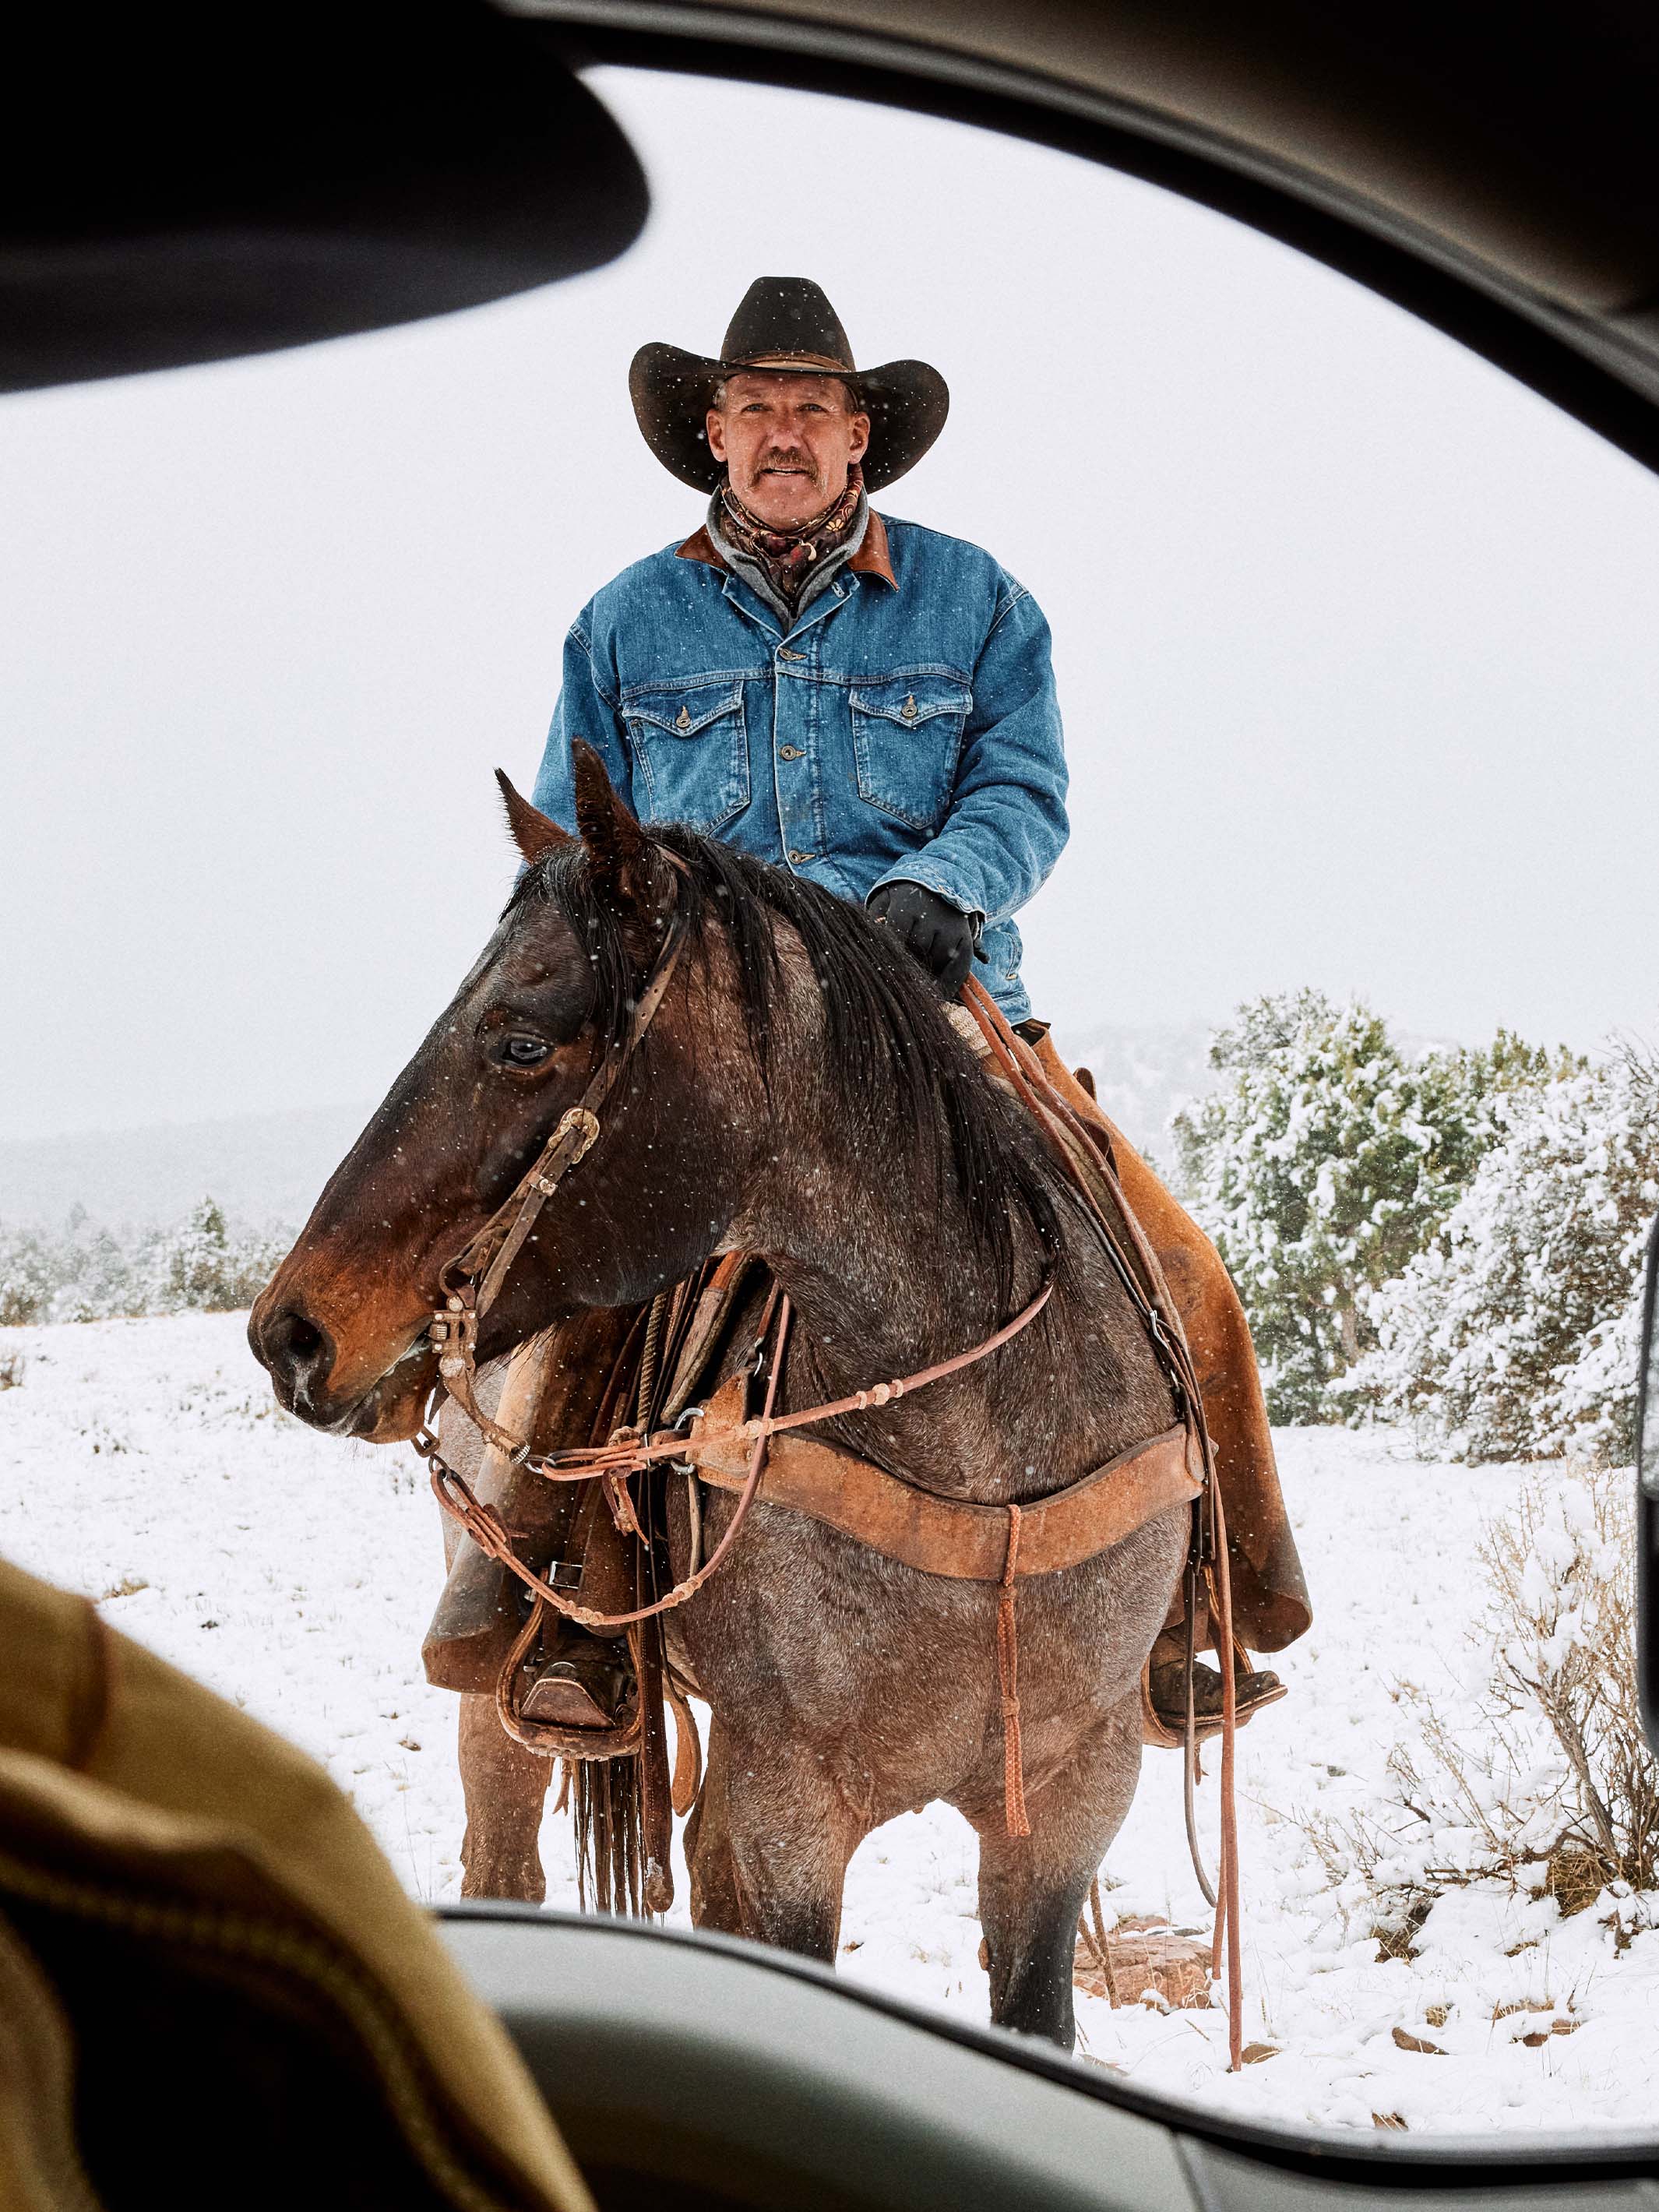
(212, 1988)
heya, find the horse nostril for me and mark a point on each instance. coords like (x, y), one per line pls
(305, 1339)
(296, 1351)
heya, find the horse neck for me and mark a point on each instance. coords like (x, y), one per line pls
(887, 1276)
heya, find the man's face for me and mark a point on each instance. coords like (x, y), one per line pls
(788, 443)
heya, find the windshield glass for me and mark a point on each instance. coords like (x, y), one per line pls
(1352, 644)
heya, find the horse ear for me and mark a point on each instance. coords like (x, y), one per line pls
(533, 833)
(619, 850)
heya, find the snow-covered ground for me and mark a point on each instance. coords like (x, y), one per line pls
(144, 1463)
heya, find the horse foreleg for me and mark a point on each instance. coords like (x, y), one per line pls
(771, 1848)
(714, 1900)
(505, 1787)
(1032, 1888)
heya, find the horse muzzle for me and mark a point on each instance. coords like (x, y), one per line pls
(300, 1354)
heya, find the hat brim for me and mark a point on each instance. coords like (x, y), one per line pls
(907, 401)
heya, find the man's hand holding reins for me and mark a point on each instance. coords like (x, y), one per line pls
(937, 934)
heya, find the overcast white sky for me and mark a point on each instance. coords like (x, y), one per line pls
(1356, 640)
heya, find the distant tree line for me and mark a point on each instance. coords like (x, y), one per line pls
(85, 1271)
(1454, 1240)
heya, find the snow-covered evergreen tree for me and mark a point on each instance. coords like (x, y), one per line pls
(1323, 1163)
(1514, 1335)
(200, 1265)
(1312, 1168)
(92, 1275)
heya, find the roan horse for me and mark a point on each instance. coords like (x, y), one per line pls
(801, 1095)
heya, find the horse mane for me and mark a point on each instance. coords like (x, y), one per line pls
(904, 1075)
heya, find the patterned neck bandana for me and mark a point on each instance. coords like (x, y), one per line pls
(789, 556)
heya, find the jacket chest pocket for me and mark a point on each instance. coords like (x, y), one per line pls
(691, 749)
(907, 735)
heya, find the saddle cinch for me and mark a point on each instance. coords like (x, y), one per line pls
(609, 1378)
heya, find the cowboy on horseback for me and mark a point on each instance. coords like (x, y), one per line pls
(871, 705)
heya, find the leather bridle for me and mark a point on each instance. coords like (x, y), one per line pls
(472, 1282)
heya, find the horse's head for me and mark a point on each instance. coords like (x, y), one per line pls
(342, 1325)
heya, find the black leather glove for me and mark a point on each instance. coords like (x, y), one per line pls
(939, 934)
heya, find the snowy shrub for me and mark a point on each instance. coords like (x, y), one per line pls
(26, 1278)
(1513, 1334)
(1539, 1776)
(200, 1267)
(1322, 1165)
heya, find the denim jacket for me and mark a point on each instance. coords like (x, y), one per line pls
(904, 727)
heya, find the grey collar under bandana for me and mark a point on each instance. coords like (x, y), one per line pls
(754, 573)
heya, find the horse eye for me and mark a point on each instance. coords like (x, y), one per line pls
(523, 1051)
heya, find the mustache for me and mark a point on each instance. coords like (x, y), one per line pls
(787, 457)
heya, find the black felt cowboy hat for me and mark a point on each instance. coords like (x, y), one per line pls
(784, 323)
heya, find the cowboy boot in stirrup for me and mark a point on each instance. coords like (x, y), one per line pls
(584, 1681)
(1165, 1690)
(585, 1678)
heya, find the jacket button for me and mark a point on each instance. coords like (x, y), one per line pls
(784, 653)
(682, 720)
(795, 858)
(791, 752)
(908, 709)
